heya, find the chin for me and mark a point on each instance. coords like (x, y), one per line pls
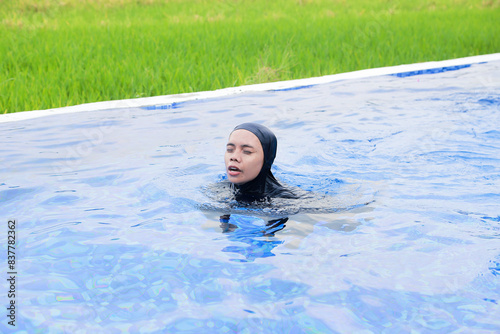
(233, 181)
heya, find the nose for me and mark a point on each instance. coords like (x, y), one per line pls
(235, 157)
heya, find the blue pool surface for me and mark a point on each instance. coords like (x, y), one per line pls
(116, 231)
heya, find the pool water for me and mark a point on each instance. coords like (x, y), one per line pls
(116, 232)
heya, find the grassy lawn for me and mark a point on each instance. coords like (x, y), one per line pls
(56, 53)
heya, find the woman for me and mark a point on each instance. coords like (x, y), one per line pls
(250, 153)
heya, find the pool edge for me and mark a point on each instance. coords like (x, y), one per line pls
(280, 85)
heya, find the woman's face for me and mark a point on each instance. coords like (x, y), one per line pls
(244, 157)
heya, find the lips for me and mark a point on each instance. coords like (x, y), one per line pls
(233, 170)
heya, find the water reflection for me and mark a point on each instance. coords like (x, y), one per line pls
(260, 239)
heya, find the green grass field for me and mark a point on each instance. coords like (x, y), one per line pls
(56, 53)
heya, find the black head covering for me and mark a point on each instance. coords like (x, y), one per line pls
(265, 185)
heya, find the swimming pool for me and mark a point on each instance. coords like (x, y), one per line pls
(115, 232)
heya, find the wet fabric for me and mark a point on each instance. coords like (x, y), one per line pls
(264, 186)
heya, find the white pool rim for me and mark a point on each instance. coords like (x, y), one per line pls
(176, 98)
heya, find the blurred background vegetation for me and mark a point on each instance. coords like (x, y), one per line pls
(57, 53)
